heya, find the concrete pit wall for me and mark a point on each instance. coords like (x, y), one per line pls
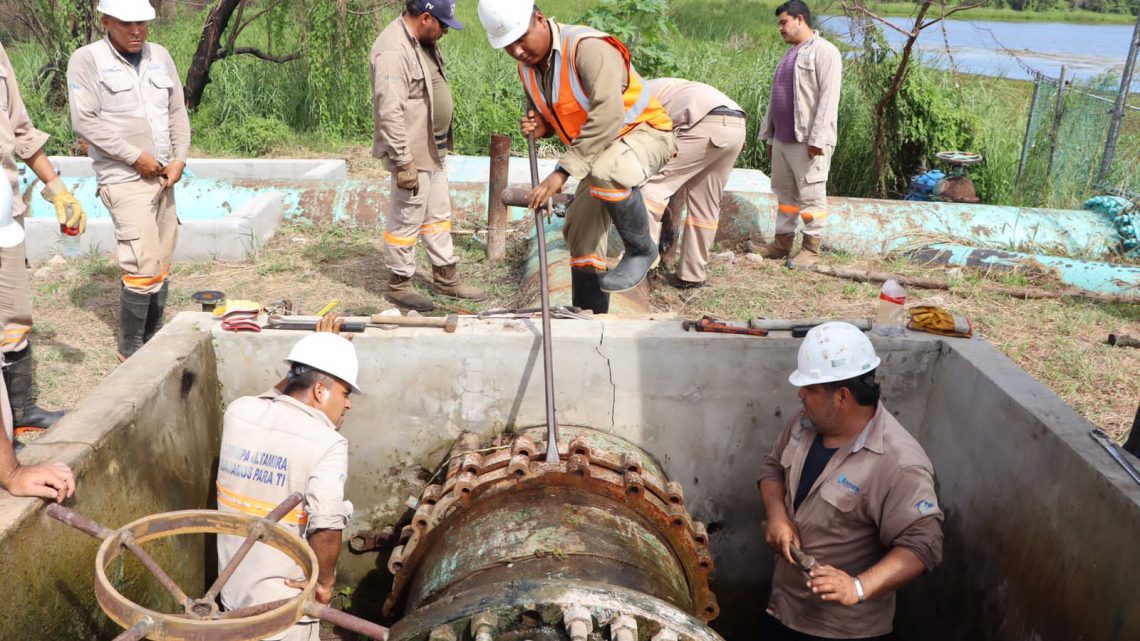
(1039, 523)
(142, 442)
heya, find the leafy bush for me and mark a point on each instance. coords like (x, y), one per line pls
(645, 27)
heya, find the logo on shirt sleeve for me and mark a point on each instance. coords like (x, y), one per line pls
(925, 507)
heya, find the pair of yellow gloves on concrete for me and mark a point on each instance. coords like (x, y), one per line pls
(936, 320)
(68, 211)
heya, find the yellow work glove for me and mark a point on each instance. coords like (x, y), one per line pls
(407, 178)
(68, 211)
(935, 320)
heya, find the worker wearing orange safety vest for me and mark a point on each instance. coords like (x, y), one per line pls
(283, 441)
(581, 86)
(127, 104)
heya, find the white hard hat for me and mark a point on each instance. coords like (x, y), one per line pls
(334, 355)
(505, 20)
(833, 352)
(11, 231)
(127, 10)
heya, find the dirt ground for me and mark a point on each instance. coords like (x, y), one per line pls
(1059, 342)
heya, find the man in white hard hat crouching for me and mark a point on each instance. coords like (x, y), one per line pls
(848, 486)
(283, 441)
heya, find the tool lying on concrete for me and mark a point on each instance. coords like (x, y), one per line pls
(544, 282)
(449, 323)
(561, 311)
(714, 326)
(785, 325)
(1116, 453)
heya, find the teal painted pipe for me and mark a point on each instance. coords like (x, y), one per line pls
(1093, 276)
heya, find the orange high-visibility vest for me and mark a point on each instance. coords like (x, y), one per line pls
(571, 107)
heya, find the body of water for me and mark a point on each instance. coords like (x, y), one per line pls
(1014, 49)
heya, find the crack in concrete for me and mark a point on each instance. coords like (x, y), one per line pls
(610, 369)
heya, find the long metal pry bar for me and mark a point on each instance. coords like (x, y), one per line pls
(544, 283)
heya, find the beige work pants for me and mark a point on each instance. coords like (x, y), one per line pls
(146, 228)
(625, 164)
(15, 297)
(800, 185)
(695, 177)
(426, 215)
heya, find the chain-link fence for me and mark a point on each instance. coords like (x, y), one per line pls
(1066, 138)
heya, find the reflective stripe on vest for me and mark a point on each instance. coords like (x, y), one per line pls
(255, 507)
(569, 107)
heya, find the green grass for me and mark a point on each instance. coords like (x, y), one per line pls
(255, 108)
(1005, 14)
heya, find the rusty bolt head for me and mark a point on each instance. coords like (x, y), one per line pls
(623, 628)
(704, 560)
(519, 466)
(675, 493)
(443, 633)
(631, 462)
(578, 465)
(700, 534)
(523, 445)
(431, 494)
(634, 485)
(580, 446)
(465, 484)
(483, 625)
(406, 533)
(471, 462)
(396, 562)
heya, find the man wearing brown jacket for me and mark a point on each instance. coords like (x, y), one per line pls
(126, 102)
(800, 129)
(413, 109)
(849, 487)
(710, 135)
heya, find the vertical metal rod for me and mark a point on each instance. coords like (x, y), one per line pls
(278, 513)
(346, 621)
(136, 632)
(496, 209)
(1029, 125)
(1058, 113)
(1118, 107)
(544, 282)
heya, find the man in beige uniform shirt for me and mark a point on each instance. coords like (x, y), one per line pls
(20, 139)
(582, 86)
(413, 109)
(283, 441)
(800, 129)
(52, 480)
(847, 485)
(126, 102)
(710, 135)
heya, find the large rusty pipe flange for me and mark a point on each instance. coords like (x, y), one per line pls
(605, 512)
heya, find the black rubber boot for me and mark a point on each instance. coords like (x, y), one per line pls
(632, 222)
(586, 291)
(155, 311)
(22, 395)
(133, 311)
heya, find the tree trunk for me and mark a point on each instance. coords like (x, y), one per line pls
(888, 98)
(198, 74)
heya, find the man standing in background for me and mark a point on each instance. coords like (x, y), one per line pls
(414, 110)
(126, 102)
(800, 130)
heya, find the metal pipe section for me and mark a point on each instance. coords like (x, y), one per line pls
(497, 214)
(537, 550)
(1093, 276)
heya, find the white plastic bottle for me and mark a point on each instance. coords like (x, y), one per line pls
(890, 317)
